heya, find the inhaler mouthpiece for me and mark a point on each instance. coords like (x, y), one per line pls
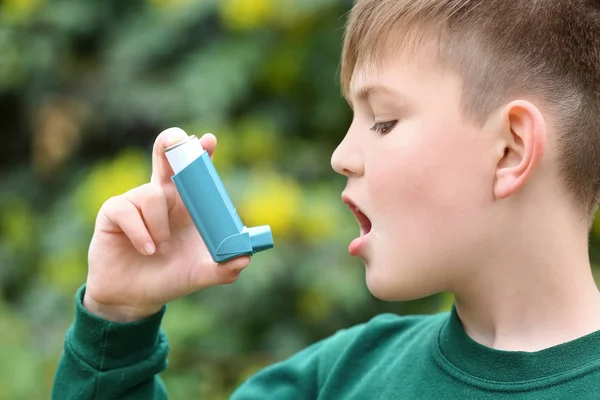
(209, 205)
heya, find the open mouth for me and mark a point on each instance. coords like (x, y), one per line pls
(363, 221)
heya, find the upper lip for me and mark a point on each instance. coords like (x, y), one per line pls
(363, 220)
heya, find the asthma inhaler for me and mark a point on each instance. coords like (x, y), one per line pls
(209, 205)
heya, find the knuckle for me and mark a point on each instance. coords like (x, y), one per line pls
(152, 194)
(112, 210)
(113, 205)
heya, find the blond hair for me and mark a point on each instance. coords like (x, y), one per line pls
(549, 49)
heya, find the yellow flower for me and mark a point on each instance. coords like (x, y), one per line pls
(271, 200)
(245, 14)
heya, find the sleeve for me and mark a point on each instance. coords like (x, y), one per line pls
(108, 360)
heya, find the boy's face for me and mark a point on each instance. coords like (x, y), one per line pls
(426, 185)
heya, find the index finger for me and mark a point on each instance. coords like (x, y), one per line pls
(161, 169)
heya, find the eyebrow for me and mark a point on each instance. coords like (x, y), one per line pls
(366, 91)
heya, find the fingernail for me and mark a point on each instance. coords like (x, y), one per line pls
(163, 247)
(149, 249)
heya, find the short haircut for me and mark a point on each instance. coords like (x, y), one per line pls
(549, 49)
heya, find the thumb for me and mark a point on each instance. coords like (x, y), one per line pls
(218, 273)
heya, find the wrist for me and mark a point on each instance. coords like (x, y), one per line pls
(118, 313)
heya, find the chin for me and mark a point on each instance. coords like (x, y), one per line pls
(393, 288)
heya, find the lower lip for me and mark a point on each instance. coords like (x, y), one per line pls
(357, 246)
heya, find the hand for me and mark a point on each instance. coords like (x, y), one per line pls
(146, 251)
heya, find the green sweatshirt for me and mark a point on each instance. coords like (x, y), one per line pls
(389, 357)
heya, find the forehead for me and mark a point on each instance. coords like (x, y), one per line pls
(394, 64)
(397, 73)
(403, 47)
(422, 86)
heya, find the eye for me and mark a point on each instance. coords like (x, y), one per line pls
(384, 127)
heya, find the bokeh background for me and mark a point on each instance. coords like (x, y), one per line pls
(85, 87)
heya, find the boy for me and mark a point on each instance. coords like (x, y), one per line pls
(473, 166)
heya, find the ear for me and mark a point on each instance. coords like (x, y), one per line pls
(523, 140)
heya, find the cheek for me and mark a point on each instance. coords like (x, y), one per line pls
(429, 174)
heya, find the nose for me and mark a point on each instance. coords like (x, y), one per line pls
(347, 159)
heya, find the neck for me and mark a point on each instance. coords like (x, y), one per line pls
(538, 291)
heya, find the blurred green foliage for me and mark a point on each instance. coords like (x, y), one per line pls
(85, 87)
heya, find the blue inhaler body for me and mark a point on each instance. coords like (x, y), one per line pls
(209, 205)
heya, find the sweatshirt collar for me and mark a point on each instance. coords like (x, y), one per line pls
(465, 355)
